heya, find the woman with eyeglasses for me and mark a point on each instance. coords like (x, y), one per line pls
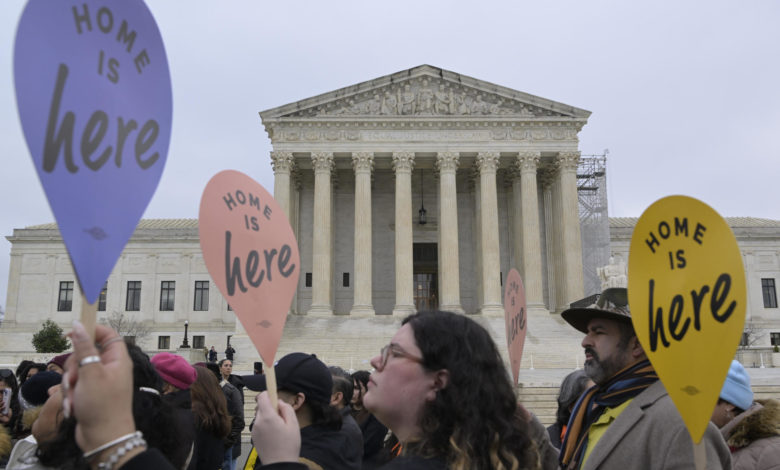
(440, 385)
(442, 388)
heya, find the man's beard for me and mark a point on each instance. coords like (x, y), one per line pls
(599, 370)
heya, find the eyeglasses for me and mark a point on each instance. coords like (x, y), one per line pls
(397, 352)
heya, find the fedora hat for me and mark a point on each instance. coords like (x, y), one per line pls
(611, 304)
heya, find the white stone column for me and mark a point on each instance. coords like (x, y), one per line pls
(363, 163)
(491, 264)
(570, 226)
(516, 215)
(283, 164)
(295, 205)
(477, 238)
(527, 163)
(546, 179)
(449, 272)
(403, 162)
(321, 303)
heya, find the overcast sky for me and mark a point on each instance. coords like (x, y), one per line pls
(684, 96)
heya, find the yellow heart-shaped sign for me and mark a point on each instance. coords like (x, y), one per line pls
(686, 288)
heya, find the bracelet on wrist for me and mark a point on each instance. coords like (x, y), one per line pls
(132, 443)
(108, 445)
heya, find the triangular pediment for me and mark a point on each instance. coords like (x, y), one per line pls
(426, 92)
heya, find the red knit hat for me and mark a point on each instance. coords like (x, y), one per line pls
(59, 360)
(175, 370)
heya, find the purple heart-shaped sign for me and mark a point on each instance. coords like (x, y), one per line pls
(94, 96)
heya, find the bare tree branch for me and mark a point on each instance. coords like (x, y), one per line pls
(127, 325)
(751, 335)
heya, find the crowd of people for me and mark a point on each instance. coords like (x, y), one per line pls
(439, 397)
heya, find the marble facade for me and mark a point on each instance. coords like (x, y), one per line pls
(500, 166)
(496, 171)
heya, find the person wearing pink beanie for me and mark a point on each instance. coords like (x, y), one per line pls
(57, 363)
(177, 375)
(175, 371)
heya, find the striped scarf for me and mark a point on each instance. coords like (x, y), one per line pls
(623, 386)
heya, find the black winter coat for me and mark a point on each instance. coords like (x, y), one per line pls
(182, 404)
(235, 406)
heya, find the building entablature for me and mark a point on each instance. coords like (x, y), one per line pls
(425, 109)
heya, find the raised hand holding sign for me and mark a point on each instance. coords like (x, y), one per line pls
(252, 255)
(516, 320)
(94, 96)
(686, 285)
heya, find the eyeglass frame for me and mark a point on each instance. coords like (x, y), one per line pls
(384, 354)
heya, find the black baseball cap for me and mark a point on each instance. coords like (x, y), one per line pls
(297, 373)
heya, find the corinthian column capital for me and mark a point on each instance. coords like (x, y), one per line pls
(282, 162)
(403, 161)
(487, 161)
(527, 161)
(322, 161)
(567, 161)
(447, 161)
(363, 162)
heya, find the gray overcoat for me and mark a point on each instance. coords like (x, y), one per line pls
(650, 435)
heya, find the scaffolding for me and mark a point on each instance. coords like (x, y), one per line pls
(594, 218)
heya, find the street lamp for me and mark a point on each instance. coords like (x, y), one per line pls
(186, 343)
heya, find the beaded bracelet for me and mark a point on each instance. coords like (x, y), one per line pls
(110, 444)
(135, 441)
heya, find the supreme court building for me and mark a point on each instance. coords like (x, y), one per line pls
(493, 174)
(422, 189)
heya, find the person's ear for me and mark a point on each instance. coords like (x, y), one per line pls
(637, 351)
(298, 400)
(441, 378)
(336, 398)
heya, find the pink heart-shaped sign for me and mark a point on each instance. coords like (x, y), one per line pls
(251, 254)
(516, 320)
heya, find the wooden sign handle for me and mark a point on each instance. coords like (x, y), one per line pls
(88, 315)
(270, 385)
(700, 455)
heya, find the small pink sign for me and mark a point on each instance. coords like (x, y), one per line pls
(251, 254)
(516, 320)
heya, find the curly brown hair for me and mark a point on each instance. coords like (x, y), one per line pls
(473, 423)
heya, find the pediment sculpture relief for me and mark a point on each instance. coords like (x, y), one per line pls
(425, 97)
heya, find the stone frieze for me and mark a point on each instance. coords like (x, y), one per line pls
(425, 96)
(435, 134)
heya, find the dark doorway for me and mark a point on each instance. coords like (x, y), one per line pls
(426, 279)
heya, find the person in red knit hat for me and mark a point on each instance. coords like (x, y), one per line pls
(178, 375)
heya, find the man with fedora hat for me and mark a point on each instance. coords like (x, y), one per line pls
(305, 383)
(627, 420)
